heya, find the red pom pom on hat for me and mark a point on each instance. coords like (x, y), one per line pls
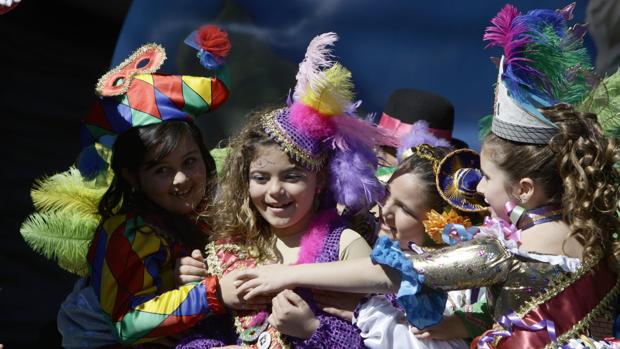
(213, 40)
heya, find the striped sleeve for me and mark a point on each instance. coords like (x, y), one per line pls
(126, 259)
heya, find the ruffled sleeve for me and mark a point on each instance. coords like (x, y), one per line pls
(424, 306)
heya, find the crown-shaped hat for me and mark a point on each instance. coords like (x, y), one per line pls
(133, 94)
(543, 63)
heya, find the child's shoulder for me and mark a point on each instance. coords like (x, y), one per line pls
(353, 245)
(128, 223)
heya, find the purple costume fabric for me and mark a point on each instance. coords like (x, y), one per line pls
(333, 332)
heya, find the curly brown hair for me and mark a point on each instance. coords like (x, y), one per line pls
(232, 214)
(583, 157)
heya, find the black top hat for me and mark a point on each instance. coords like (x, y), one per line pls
(408, 105)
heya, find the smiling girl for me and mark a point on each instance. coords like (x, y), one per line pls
(162, 177)
(286, 171)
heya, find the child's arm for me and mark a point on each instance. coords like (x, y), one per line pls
(358, 275)
(477, 263)
(125, 257)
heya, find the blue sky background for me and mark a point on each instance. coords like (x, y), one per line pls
(432, 45)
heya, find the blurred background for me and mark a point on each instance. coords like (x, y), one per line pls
(53, 52)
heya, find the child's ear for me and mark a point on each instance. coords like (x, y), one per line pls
(130, 178)
(526, 190)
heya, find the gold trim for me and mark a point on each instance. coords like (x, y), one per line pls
(216, 268)
(288, 145)
(556, 286)
(144, 48)
(440, 190)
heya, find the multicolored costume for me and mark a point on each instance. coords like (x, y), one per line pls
(127, 294)
(537, 301)
(252, 327)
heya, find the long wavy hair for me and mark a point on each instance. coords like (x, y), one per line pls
(583, 157)
(129, 151)
(232, 214)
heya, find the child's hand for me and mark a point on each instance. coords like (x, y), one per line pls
(338, 304)
(232, 298)
(291, 315)
(451, 327)
(190, 269)
(263, 280)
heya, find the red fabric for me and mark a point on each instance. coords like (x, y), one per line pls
(211, 285)
(213, 40)
(96, 116)
(172, 87)
(565, 309)
(128, 272)
(141, 97)
(219, 94)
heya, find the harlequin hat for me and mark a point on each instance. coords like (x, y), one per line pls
(407, 105)
(133, 94)
(319, 127)
(543, 63)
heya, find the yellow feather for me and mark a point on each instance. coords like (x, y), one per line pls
(332, 93)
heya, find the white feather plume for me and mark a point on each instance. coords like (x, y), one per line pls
(318, 58)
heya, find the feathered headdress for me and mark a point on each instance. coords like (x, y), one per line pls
(319, 127)
(543, 63)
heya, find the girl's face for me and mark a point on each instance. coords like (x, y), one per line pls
(282, 192)
(404, 211)
(494, 186)
(177, 182)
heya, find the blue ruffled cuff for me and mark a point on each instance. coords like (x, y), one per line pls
(424, 306)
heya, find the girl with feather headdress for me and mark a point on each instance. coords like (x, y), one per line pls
(286, 172)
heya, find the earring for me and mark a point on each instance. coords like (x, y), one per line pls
(514, 211)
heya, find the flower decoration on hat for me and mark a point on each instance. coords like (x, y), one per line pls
(435, 223)
(543, 63)
(319, 127)
(133, 94)
(212, 44)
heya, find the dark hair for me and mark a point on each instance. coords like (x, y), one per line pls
(129, 152)
(576, 170)
(424, 168)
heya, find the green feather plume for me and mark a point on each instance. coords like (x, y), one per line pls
(67, 191)
(554, 56)
(63, 236)
(66, 218)
(604, 101)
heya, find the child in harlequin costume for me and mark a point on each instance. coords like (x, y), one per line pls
(432, 186)
(286, 171)
(549, 171)
(162, 177)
